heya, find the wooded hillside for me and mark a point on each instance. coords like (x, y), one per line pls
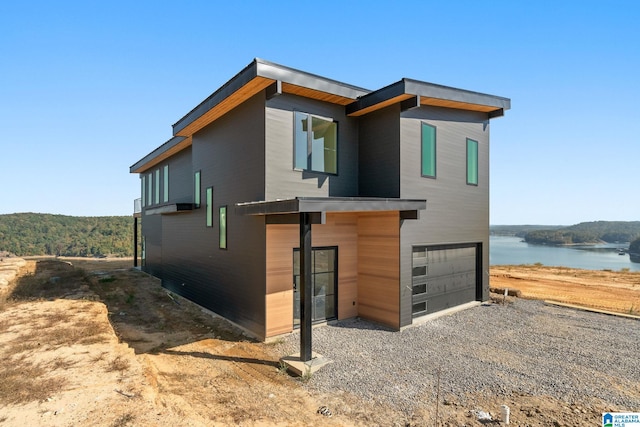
(587, 232)
(25, 234)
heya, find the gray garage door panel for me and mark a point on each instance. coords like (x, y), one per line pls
(443, 277)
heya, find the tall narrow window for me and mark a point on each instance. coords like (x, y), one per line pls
(210, 207)
(165, 190)
(223, 227)
(428, 151)
(157, 199)
(196, 189)
(315, 150)
(143, 201)
(472, 162)
(150, 189)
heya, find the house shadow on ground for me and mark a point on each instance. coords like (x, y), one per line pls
(143, 314)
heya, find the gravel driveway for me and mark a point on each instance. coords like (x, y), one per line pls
(523, 347)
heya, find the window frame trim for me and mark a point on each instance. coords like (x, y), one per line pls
(477, 161)
(435, 150)
(220, 234)
(209, 206)
(165, 184)
(336, 280)
(197, 188)
(309, 168)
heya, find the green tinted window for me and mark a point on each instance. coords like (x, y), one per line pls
(428, 151)
(150, 189)
(210, 207)
(157, 199)
(223, 227)
(196, 189)
(472, 162)
(165, 190)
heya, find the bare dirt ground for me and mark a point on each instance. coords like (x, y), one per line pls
(604, 290)
(93, 342)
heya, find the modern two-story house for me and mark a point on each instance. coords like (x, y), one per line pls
(391, 186)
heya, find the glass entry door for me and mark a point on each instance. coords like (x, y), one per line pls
(324, 275)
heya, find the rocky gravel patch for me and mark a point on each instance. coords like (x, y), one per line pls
(522, 348)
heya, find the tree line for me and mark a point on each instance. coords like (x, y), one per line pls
(587, 232)
(26, 234)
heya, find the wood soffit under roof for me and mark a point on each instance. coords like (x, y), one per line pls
(456, 104)
(259, 83)
(256, 85)
(162, 156)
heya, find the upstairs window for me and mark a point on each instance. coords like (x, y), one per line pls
(428, 168)
(165, 190)
(472, 162)
(196, 189)
(157, 199)
(315, 143)
(150, 189)
(143, 201)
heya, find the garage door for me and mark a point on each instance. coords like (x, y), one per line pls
(443, 276)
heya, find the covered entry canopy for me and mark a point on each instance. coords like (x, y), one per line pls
(408, 208)
(312, 210)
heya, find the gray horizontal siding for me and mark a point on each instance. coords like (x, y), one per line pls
(230, 155)
(456, 212)
(180, 177)
(281, 180)
(379, 153)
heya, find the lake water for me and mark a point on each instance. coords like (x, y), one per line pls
(512, 250)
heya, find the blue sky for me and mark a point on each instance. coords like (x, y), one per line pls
(88, 88)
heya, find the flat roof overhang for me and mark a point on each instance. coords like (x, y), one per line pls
(409, 208)
(169, 209)
(413, 93)
(166, 150)
(255, 77)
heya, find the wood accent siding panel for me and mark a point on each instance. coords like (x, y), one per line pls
(424, 100)
(379, 153)
(281, 180)
(340, 230)
(279, 313)
(379, 268)
(456, 212)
